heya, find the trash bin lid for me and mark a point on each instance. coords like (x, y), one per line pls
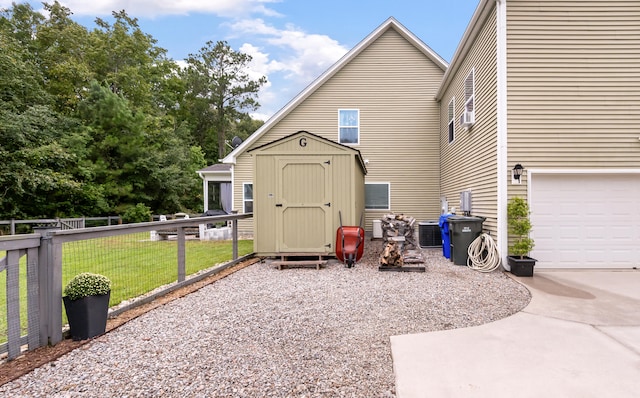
(443, 219)
(454, 219)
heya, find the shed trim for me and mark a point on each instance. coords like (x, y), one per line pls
(319, 138)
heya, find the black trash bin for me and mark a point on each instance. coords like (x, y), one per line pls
(463, 230)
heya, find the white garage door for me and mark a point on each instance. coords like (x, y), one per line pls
(586, 220)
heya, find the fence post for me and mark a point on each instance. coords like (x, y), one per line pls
(13, 303)
(33, 309)
(12, 227)
(234, 237)
(181, 255)
(50, 286)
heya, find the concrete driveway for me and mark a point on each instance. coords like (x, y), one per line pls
(578, 337)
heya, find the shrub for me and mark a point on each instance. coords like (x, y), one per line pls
(519, 226)
(137, 213)
(87, 284)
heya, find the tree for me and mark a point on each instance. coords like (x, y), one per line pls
(245, 126)
(136, 158)
(129, 62)
(20, 22)
(20, 79)
(38, 172)
(94, 122)
(219, 91)
(62, 47)
(116, 144)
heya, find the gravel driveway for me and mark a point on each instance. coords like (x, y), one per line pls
(261, 332)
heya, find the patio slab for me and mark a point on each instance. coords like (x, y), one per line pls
(579, 336)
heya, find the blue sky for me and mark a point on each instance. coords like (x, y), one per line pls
(292, 41)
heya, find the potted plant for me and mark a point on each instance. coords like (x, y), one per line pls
(519, 227)
(86, 301)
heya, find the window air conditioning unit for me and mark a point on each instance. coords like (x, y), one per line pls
(467, 119)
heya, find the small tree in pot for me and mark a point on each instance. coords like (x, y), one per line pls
(86, 301)
(519, 228)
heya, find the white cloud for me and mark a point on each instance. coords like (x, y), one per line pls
(182, 64)
(303, 56)
(154, 8)
(290, 59)
(260, 116)
(260, 64)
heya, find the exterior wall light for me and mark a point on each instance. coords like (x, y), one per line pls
(516, 173)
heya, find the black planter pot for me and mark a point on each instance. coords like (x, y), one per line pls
(87, 316)
(521, 266)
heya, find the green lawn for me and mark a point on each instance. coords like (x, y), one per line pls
(135, 266)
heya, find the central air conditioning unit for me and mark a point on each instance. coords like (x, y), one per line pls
(467, 119)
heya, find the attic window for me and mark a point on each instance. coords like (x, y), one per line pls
(349, 126)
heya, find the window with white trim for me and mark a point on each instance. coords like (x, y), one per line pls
(247, 197)
(452, 116)
(349, 126)
(469, 92)
(377, 195)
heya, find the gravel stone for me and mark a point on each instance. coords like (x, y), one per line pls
(263, 332)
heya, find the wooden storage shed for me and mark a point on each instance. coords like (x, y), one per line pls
(301, 183)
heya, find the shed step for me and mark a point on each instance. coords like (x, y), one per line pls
(299, 263)
(401, 269)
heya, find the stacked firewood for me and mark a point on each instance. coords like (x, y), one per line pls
(394, 225)
(391, 255)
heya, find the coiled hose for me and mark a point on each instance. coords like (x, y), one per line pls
(483, 254)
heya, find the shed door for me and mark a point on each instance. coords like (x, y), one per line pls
(303, 214)
(586, 220)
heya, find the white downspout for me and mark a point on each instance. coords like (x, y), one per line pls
(502, 153)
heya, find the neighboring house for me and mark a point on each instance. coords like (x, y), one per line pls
(551, 85)
(217, 187)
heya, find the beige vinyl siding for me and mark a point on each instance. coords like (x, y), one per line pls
(574, 83)
(242, 173)
(393, 84)
(469, 162)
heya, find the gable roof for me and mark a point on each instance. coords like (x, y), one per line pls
(217, 168)
(318, 138)
(216, 172)
(390, 23)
